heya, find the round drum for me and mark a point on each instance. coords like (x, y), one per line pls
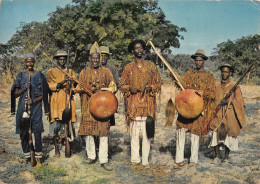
(189, 103)
(103, 104)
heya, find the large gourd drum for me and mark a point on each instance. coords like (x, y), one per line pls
(103, 104)
(189, 103)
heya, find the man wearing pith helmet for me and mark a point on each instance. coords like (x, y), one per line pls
(203, 81)
(230, 118)
(60, 86)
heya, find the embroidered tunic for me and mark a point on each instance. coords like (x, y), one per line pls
(100, 78)
(140, 104)
(199, 80)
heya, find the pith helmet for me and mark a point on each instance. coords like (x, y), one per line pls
(60, 53)
(105, 50)
(227, 65)
(199, 53)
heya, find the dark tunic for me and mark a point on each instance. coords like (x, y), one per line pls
(114, 71)
(38, 87)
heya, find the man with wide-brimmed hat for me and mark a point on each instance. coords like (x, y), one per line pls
(140, 83)
(95, 78)
(60, 86)
(32, 89)
(203, 81)
(105, 54)
(230, 118)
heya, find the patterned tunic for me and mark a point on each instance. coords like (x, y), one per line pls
(199, 80)
(235, 115)
(138, 104)
(100, 77)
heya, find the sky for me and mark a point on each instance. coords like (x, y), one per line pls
(208, 22)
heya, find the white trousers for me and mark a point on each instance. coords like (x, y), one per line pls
(138, 127)
(230, 142)
(180, 143)
(103, 148)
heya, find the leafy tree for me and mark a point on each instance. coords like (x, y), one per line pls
(240, 54)
(181, 63)
(114, 23)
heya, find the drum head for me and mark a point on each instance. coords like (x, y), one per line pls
(189, 103)
(103, 104)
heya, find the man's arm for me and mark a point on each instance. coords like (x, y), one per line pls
(45, 94)
(124, 82)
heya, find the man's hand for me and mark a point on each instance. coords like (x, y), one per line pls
(223, 103)
(73, 78)
(29, 101)
(94, 89)
(133, 89)
(149, 88)
(66, 78)
(27, 85)
(199, 92)
(60, 84)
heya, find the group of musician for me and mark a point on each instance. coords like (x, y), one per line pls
(140, 84)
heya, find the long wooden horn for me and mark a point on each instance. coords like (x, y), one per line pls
(148, 39)
(170, 106)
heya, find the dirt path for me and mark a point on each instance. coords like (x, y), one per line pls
(244, 165)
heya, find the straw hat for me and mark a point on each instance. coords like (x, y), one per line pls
(199, 53)
(60, 53)
(227, 65)
(105, 50)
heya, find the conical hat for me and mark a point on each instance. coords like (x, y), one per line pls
(95, 49)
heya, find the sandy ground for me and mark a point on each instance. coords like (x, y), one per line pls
(244, 166)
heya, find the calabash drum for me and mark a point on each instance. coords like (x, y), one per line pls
(103, 104)
(189, 103)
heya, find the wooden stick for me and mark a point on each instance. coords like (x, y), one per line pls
(79, 83)
(167, 64)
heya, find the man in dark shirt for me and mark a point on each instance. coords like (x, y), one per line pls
(104, 62)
